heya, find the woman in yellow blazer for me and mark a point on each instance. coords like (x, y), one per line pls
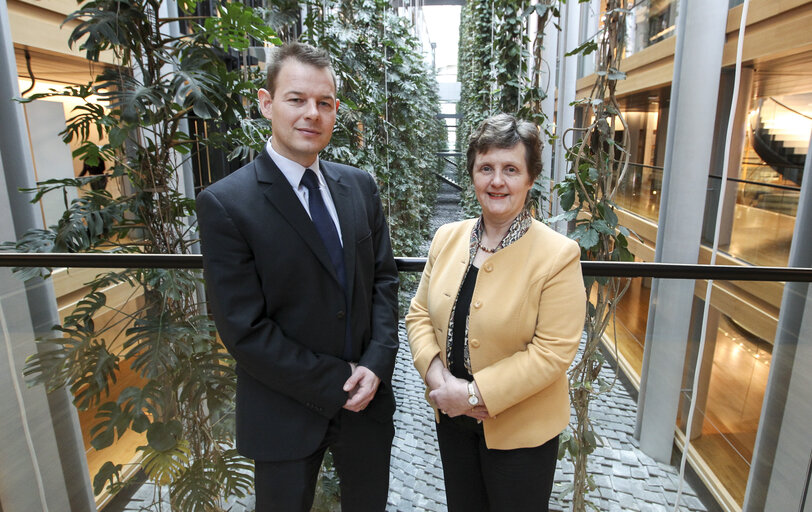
(493, 328)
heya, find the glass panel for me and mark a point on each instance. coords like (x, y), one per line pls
(763, 222)
(650, 21)
(629, 327)
(734, 370)
(733, 373)
(640, 191)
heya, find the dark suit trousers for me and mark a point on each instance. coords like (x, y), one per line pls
(361, 447)
(479, 479)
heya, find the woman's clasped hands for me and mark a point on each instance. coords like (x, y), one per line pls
(450, 394)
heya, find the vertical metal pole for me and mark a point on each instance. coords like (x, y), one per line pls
(781, 456)
(18, 172)
(565, 116)
(697, 65)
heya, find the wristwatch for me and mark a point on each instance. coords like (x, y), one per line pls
(473, 400)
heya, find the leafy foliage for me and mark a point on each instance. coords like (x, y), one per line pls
(165, 72)
(168, 69)
(496, 75)
(388, 121)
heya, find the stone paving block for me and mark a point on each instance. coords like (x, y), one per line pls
(626, 478)
(621, 484)
(640, 472)
(627, 501)
(619, 469)
(653, 497)
(693, 503)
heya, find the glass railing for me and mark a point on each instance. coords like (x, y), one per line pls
(760, 222)
(737, 359)
(640, 191)
(758, 226)
(650, 22)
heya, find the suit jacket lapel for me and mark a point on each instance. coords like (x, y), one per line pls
(281, 196)
(342, 198)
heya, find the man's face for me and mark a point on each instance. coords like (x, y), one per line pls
(302, 111)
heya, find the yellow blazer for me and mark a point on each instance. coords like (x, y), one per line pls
(525, 324)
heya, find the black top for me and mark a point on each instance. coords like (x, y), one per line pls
(460, 336)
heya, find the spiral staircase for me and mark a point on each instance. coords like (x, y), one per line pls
(782, 139)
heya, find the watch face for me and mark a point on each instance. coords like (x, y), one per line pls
(473, 400)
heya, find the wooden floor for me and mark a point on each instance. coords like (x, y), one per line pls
(735, 390)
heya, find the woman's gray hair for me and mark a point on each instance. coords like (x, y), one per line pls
(504, 131)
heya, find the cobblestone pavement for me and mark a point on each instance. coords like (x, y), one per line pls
(626, 478)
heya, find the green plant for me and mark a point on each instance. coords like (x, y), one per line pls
(496, 76)
(163, 75)
(388, 121)
(598, 162)
(388, 126)
(537, 87)
(474, 73)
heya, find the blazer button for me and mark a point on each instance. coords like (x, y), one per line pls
(473, 343)
(340, 314)
(477, 304)
(488, 267)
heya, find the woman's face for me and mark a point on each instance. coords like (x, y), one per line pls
(501, 183)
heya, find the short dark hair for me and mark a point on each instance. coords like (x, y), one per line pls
(301, 52)
(504, 131)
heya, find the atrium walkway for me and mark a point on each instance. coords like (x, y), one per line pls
(626, 479)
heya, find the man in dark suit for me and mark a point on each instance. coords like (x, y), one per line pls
(303, 287)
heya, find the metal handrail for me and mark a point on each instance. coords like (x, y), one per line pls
(758, 183)
(589, 268)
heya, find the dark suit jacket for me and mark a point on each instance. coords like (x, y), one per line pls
(280, 309)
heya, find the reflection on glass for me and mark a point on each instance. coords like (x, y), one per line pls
(640, 191)
(629, 328)
(763, 222)
(729, 401)
(733, 374)
(650, 21)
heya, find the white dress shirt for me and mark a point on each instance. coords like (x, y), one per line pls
(294, 172)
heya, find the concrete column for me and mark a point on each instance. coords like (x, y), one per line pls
(565, 113)
(547, 80)
(42, 460)
(782, 456)
(705, 367)
(697, 64)
(737, 142)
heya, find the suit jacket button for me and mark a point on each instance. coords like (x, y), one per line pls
(477, 304)
(488, 267)
(340, 314)
(474, 343)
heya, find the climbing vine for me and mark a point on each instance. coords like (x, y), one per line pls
(495, 72)
(387, 126)
(598, 161)
(496, 76)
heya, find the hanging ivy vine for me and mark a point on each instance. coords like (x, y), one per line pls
(598, 161)
(494, 71)
(387, 126)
